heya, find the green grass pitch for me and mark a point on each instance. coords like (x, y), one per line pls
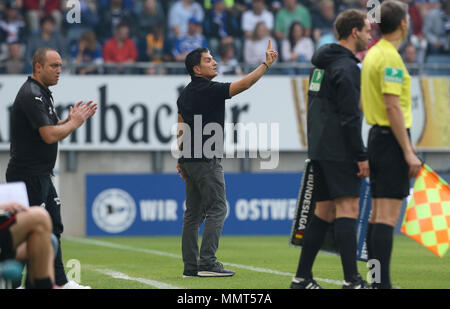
(260, 262)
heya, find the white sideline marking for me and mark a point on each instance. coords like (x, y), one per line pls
(119, 275)
(176, 256)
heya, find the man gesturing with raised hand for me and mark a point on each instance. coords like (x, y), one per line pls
(201, 168)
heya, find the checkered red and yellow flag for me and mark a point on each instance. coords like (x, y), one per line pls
(427, 217)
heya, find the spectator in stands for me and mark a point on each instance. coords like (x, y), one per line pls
(37, 9)
(255, 47)
(297, 48)
(49, 36)
(87, 51)
(220, 27)
(179, 15)
(89, 18)
(257, 14)
(323, 19)
(409, 55)
(292, 11)
(120, 49)
(15, 63)
(228, 64)
(229, 4)
(275, 6)
(416, 36)
(151, 15)
(12, 27)
(416, 19)
(192, 40)
(155, 49)
(110, 18)
(437, 29)
(128, 5)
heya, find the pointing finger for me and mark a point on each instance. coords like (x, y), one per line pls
(270, 45)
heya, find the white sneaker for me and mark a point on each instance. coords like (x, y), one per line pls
(72, 285)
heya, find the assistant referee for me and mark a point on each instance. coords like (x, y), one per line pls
(386, 98)
(35, 132)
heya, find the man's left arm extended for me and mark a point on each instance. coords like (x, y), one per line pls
(251, 78)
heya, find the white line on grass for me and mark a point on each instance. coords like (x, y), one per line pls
(176, 256)
(119, 275)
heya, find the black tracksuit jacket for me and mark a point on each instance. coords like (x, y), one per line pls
(334, 115)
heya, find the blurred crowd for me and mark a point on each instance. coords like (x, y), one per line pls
(91, 33)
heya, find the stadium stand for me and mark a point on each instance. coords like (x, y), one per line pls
(156, 26)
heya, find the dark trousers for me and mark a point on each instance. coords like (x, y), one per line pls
(41, 192)
(205, 201)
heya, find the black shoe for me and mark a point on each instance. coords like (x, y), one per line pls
(216, 270)
(190, 273)
(305, 284)
(355, 284)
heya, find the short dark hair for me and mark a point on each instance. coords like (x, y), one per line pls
(47, 18)
(392, 14)
(40, 56)
(122, 24)
(347, 20)
(194, 58)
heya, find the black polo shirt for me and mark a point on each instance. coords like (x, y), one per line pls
(204, 98)
(32, 109)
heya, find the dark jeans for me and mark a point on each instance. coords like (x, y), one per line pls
(205, 201)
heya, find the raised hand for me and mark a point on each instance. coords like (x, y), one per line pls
(271, 55)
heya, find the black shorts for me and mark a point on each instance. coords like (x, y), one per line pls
(41, 192)
(333, 179)
(6, 243)
(388, 168)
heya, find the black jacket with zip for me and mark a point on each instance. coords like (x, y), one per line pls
(334, 115)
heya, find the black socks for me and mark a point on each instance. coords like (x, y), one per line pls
(345, 235)
(369, 241)
(44, 283)
(312, 242)
(382, 239)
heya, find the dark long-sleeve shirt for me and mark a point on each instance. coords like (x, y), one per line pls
(334, 115)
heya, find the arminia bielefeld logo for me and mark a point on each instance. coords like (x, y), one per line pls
(114, 210)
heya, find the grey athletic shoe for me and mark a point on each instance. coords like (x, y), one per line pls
(190, 273)
(215, 270)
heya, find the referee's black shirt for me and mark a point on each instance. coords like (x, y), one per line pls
(207, 99)
(32, 109)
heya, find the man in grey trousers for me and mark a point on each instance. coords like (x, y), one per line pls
(201, 111)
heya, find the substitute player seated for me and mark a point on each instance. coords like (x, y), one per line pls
(25, 235)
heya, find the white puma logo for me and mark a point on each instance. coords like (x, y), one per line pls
(39, 98)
